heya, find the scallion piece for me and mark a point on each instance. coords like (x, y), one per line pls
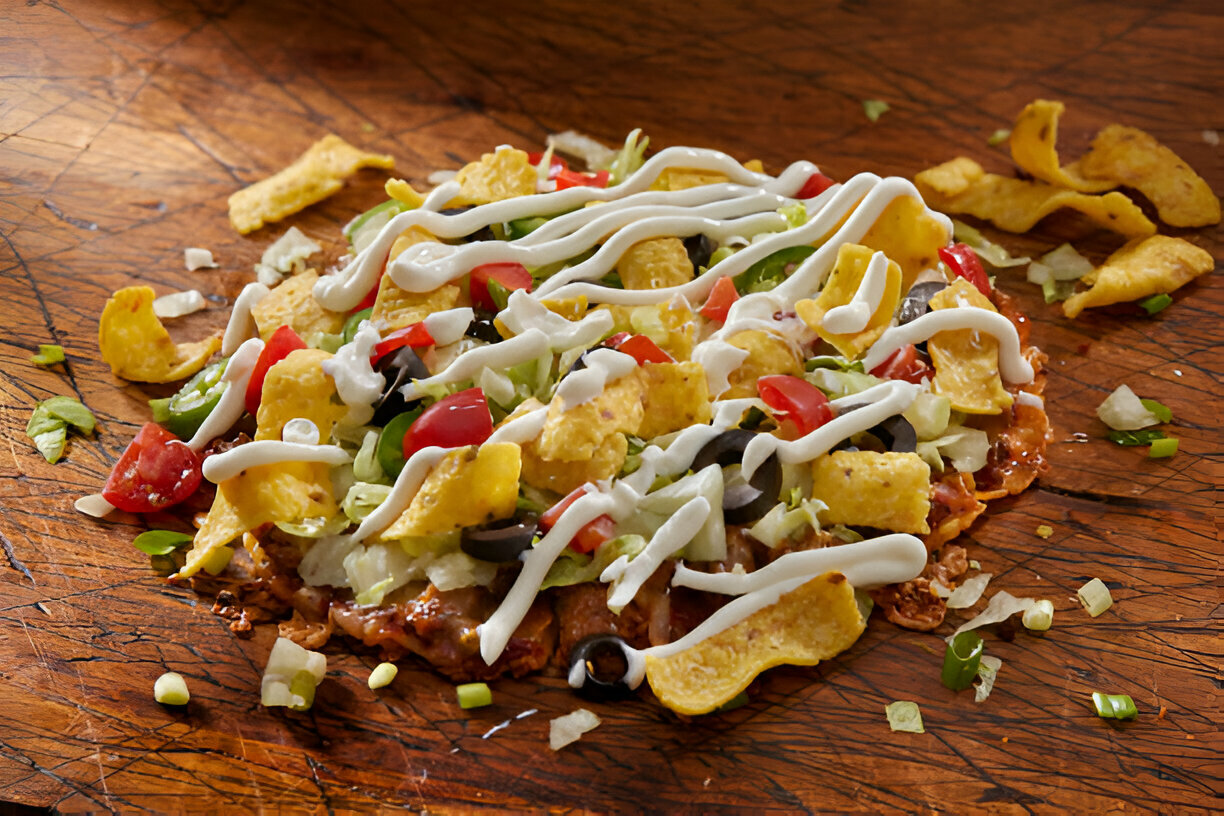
(1162, 448)
(171, 689)
(999, 137)
(1131, 439)
(1155, 303)
(1158, 409)
(161, 542)
(474, 695)
(1095, 597)
(48, 355)
(382, 675)
(875, 108)
(1114, 706)
(1039, 616)
(961, 660)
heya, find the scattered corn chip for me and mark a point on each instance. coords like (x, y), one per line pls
(909, 236)
(316, 174)
(1032, 148)
(396, 308)
(292, 304)
(504, 173)
(1141, 268)
(671, 325)
(467, 487)
(136, 346)
(843, 283)
(563, 477)
(655, 264)
(768, 353)
(967, 361)
(961, 186)
(297, 387)
(575, 434)
(402, 191)
(674, 396)
(1127, 155)
(813, 622)
(883, 490)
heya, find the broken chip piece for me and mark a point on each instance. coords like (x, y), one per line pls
(1033, 151)
(316, 174)
(1141, 268)
(137, 347)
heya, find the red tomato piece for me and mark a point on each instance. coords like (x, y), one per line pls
(555, 165)
(590, 535)
(451, 422)
(796, 400)
(721, 298)
(367, 302)
(570, 178)
(903, 364)
(510, 275)
(816, 184)
(643, 349)
(964, 262)
(156, 471)
(283, 341)
(416, 336)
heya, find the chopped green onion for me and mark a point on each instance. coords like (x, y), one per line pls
(382, 675)
(160, 542)
(1039, 616)
(291, 676)
(171, 689)
(961, 660)
(474, 695)
(1159, 410)
(51, 443)
(1095, 597)
(1045, 530)
(975, 564)
(1162, 448)
(999, 137)
(1155, 303)
(354, 323)
(1130, 439)
(1114, 706)
(904, 715)
(48, 355)
(875, 108)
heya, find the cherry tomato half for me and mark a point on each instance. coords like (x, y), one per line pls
(451, 422)
(720, 301)
(816, 184)
(590, 535)
(415, 336)
(964, 263)
(555, 165)
(903, 364)
(643, 349)
(156, 471)
(510, 275)
(795, 400)
(571, 178)
(279, 346)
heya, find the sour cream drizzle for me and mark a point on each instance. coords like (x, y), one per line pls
(628, 576)
(222, 466)
(1012, 364)
(241, 324)
(357, 383)
(855, 315)
(230, 407)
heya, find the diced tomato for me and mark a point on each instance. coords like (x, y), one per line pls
(571, 178)
(964, 262)
(510, 275)
(616, 339)
(156, 471)
(721, 298)
(555, 165)
(590, 535)
(283, 341)
(795, 400)
(903, 364)
(816, 184)
(451, 422)
(367, 302)
(416, 336)
(643, 349)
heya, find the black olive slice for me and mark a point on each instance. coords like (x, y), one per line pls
(699, 248)
(483, 329)
(917, 300)
(397, 369)
(600, 657)
(498, 541)
(482, 234)
(895, 432)
(725, 449)
(747, 502)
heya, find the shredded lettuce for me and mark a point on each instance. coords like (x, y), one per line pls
(365, 463)
(1124, 411)
(965, 447)
(782, 523)
(575, 568)
(986, 249)
(362, 499)
(373, 570)
(841, 383)
(710, 543)
(795, 214)
(630, 158)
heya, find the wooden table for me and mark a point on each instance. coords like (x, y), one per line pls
(124, 127)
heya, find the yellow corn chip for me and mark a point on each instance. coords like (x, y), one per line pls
(569, 308)
(1032, 148)
(843, 283)
(575, 434)
(136, 345)
(767, 354)
(967, 361)
(504, 173)
(655, 264)
(682, 178)
(962, 187)
(410, 237)
(1139, 269)
(563, 477)
(297, 387)
(675, 396)
(292, 304)
(264, 494)
(316, 174)
(813, 622)
(888, 491)
(754, 165)
(467, 487)
(401, 190)
(396, 308)
(670, 325)
(1127, 155)
(908, 235)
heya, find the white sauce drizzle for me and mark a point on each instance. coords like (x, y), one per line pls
(405, 489)
(222, 466)
(603, 365)
(855, 315)
(241, 324)
(519, 349)
(1012, 364)
(448, 326)
(628, 576)
(232, 405)
(521, 429)
(1029, 399)
(523, 313)
(357, 383)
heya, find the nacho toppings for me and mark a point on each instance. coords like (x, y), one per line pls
(137, 347)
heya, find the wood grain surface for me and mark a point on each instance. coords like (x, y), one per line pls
(124, 127)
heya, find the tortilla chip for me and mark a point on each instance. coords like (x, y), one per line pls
(504, 173)
(136, 345)
(575, 434)
(1127, 155)
(1032, 148)
(967, 361)
(563, 477)
(812, 622)
(264, 494)
(395, 308)
(909, 235)
(569, 308)
(670, 325)
(888, 491)
(316, 174)
(297, 387)
(674, 396)
(410, 237)
(466, 487)
(292, 304)
(843, 283)
(683, 178)
(768, 353)
(961, 187)
(402, 191)
(655, 264)
(1139, 269)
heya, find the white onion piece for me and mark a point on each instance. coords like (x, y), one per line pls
(570, 728)
(179, 304)
(968, 593)
(1001, 607)
(196, 258)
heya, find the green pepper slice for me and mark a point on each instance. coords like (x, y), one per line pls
(771, 270)
(390, 450)
(184, 413)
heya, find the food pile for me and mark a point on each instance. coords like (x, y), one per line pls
(669, 419)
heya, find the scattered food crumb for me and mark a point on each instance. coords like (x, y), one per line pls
(570, 728)
(1212, 137)
(706, 783)
(875, 108)
(1005, 740)
(197, 258)
(1189, 736)
(1045, 530)
(1177, 371)
(42, 609)
(1163, 710)
(975, 564)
